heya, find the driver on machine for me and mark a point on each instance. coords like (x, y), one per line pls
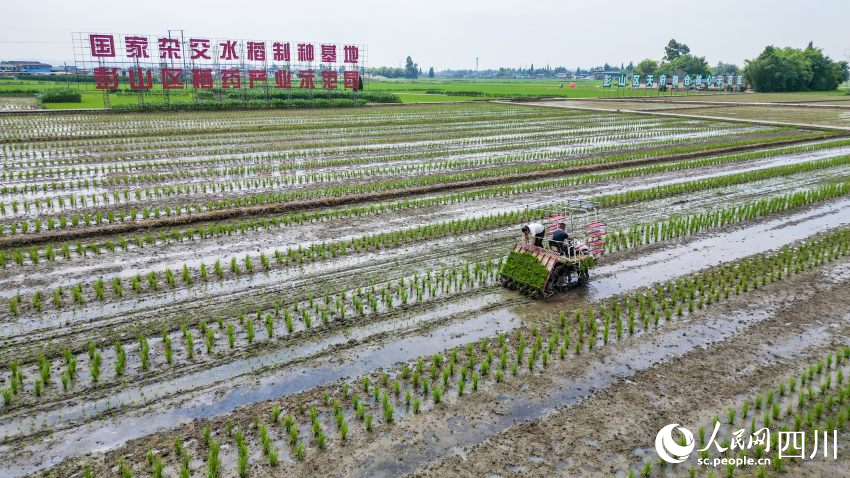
(535, 230)
(561, 238)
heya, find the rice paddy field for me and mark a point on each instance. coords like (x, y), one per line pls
(317, 293)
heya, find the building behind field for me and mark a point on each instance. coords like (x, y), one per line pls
(15, 67)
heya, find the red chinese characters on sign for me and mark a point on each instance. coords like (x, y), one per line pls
(136, 47)
(102, 46)
(305, 52)
(256, 51)
(256, 76)
(200, 48)
(171, 78)
(228, 50)
(328, 53)
(283, 79)
(352, 54)
(148, 59)
(329, 79)
(169, 49)
(140, 80)
(306, 77)
(351, 80)
(202, 78)
(280, 51)
(231, 79)
(105, 78)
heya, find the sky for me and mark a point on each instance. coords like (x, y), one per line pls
(448, 34)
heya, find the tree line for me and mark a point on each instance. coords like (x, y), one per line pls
(792, 69)
(775, 69)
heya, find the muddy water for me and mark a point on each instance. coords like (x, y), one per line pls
(229, 393)
(618, 217)
(64, 272)
(610, 280)
(716, 249)
(631, 357)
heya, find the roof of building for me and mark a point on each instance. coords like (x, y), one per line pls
(24, 63)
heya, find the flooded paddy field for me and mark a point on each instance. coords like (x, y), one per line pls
(251, 293)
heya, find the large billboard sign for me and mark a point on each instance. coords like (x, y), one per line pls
(698, 81)
(177, 61)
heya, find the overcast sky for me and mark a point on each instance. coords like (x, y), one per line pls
(449, 33)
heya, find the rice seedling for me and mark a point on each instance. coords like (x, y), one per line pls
(94, 366)
(213, 460)
(189, 342)
(124, 470)
(167, 347)
(231, 335)
(249, 329)
(144, 352)
(269, 326)
(298, 452)
(209, 340)
(437, 394)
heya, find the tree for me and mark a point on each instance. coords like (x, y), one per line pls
(826, 74)
(646, 67)
(778, 69)
(674, 50)
(411, 69)
(791, 69)
(431, 72)
(725, 69)
(688, 64)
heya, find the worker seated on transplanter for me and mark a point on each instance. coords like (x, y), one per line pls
(561, 240)
(533, 233)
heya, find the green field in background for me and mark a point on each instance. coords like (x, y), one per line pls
(433, 90)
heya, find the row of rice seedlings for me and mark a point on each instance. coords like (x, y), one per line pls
(117, 174)
(220, 229)
(674, 227)
(297, 255)
(353, 189)
(124, 149)
(343, 307)
(296, 178)
(693, 293)
(127, 127)
(663, 129)
(667, 190)
(464, 371)
(123, 172)
(818, 401)
(677, 227)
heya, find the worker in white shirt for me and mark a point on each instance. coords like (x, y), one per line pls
(534, 230)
